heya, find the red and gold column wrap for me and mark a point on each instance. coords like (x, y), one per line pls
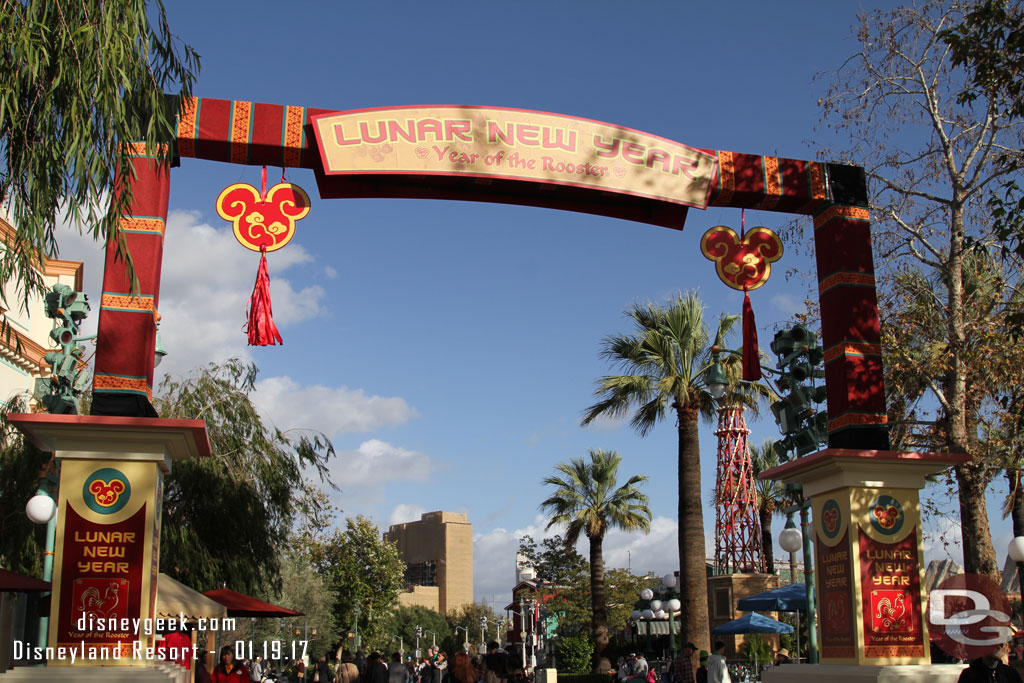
(851, 332)
(127, 326)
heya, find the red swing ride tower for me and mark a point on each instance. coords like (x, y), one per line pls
(737, 529)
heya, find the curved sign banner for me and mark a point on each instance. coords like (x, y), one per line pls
(494, 144)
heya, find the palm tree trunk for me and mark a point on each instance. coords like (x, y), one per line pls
(598, 605)
(693, 621)
(767, 543)
(1013, 476)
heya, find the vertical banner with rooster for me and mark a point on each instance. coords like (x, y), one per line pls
(890, 572)
(107, 538)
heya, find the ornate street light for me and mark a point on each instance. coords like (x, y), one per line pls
(1016, 552)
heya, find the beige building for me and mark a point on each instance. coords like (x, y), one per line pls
(438, 555)
(22, 351)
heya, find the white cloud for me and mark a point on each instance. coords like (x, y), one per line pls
(332, 410)
(377, 462)
(787, 305)
(406, 513)
(205, 284)
(330, 272)
(494, 559)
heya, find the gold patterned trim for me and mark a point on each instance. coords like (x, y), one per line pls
(240, 131)
(853, 349)
(127, 302)
(187, 127)
(138, 385)
(837, 279)
(293, 118)
(857, 420)
(853, 212)
(772, 182)
(138, 149)
(133, 224)
(727, 169)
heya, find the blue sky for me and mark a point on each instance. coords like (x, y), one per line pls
(449, 348)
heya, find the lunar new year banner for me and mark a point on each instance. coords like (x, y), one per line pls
(513, 144)
(890, 575)
(104, 585)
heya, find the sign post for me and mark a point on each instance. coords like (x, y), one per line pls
(107, 548)
(869, 571)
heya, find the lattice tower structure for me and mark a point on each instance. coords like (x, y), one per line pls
(737, 529)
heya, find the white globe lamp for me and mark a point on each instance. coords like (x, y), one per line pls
(674, 605)
(646, 594)
(1016, 549)
(668, 581)
(40, 509)
(647, 614)
(655, 605)
(791, 540)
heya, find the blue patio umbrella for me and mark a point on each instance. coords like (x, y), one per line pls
(791, 598)
(753, 623)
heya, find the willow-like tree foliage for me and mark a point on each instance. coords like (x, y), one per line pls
(78, 78)
(228, 518)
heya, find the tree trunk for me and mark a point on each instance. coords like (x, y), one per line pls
(693, 621)
(598, 605)
(979, 555)
(1013, 476)
(767, 543)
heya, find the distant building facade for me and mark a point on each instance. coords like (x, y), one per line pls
(22, 350)
(438, 555)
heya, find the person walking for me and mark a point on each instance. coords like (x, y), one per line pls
(347, 671)
(256, 672)
(496, 664)
(682, 667)
(228, 670)
(322, 671)
(718, 672)
(397, 673)
(463, 669)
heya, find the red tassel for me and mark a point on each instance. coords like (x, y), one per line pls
(751, 356)
(261, 328)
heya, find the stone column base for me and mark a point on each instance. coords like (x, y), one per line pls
(836, 673)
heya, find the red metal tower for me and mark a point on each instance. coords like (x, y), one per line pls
(737, 530)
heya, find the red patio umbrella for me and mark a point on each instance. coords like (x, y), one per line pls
(240, 605)
(12, 582)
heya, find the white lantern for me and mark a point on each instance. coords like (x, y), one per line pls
(1016, 549)
(791, 540)
(635, 616)
(660, 614)
(674, 605)
(646, 594)
(40, 509)
(668, 581)
(647, 614)
(655, 605)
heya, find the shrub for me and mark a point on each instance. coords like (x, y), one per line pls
(574, 654)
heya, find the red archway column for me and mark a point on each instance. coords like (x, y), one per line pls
(850, 327)
(123, 383)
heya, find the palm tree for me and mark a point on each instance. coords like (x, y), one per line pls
(587, 501)
(771, 497)
(665, 365)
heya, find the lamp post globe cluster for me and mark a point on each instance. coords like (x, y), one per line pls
(659, 607)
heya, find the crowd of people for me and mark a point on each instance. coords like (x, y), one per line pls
(345, 667)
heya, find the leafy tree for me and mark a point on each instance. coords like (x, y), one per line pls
(366, 574)
(564, 576)
(469, 616)
(588, 501)
(665, 365)
(573, 653)
(623, 591)
(403, 620)
(771, 497)
(21, 541)
(931, 158)
(227, 518)
(77, 79)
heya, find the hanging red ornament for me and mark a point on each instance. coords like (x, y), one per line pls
(263, 221)
(744, 262)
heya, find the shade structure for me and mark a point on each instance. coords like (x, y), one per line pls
(241, 605)
(13, 582)
(753, 623)
(791, 598)
(174, 598)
